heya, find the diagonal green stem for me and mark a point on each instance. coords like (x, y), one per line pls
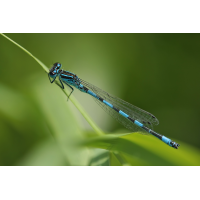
(73, 100)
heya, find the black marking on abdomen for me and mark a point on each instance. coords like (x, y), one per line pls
(131, 119)
(146, 129)
(116, 109)
(101, 99)
(155, 134)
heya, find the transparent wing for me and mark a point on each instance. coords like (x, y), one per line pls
(134, 112)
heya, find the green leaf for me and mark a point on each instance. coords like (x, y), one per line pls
(138, 149)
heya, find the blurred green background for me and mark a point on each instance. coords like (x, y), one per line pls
(156, 72)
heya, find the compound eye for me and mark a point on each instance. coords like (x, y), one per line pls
(52, 70)
(57, 65)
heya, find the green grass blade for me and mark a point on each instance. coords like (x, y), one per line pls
(137, 149)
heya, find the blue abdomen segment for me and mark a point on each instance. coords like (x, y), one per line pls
(166, 140)
(138, 123)
(97, 97)
(107, 103)
(123, 114)
(92, 93)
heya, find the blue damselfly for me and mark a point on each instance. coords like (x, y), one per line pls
(125, 113)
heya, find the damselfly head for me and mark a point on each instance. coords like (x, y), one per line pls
(57, 65)
(55, 68)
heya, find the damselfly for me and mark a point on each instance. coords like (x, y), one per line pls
(128, 115)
